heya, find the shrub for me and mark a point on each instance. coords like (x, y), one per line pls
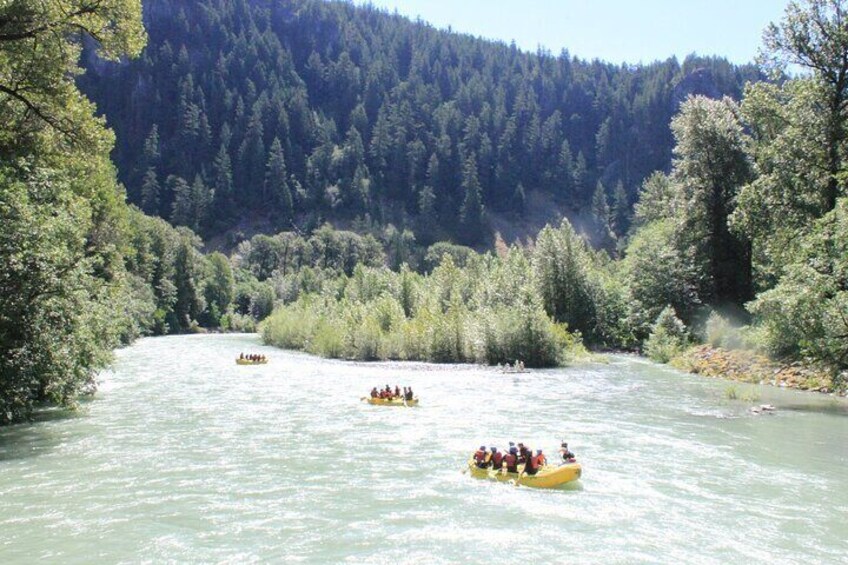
(720, 332)
(668, 337)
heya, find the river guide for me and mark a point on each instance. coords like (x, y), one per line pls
(251, 359)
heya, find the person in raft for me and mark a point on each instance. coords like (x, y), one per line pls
(389, 394)
(511, 460)
(566, 454)
(480, 457)
(497, 459)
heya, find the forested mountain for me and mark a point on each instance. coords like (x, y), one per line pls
(301, 111)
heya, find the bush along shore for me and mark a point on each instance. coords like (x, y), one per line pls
(480, 314)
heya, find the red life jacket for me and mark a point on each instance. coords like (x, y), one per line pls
(510, 460)
(538, 461)
(480, 456)
(497, 460)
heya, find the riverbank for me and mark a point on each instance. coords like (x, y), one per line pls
(749, 367)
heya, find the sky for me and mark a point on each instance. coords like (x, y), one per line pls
(615, 31)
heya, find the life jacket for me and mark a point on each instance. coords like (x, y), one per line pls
(511, 462)
(374, 394)
(497, 460)
(480, 458)
(522, 455)
(539, 461)
(530, 466)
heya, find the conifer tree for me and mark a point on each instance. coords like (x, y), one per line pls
(620, 210)
(471, 214)
(150, 193)
(222, 183)
(277, 193)
(182, 208)
(601, 216)
(252, 160)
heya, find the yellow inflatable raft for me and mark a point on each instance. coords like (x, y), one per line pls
(249, 362)
(392, 401)
(549, 476)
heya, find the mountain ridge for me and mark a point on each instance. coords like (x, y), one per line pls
(378, 119)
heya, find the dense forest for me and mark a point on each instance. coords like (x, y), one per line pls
(289, 113)
(409, 138)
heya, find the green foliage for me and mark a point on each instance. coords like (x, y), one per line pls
(65, 297)
(710, 167)
(720, 332)
(219, 290)
(484, 312)
(668, 338)
(377, 115)
(436, 254)
(56, 327)
(40, 45)
(807, 312)
(561, 264)
(660, 273)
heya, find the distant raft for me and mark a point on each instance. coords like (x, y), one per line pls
(549, 476)
(249, 362)
(392, 401)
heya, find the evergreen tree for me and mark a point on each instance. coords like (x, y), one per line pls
(471, 214)
(277, 192)
(252, 160)
(150, 193)
(222, 182)
(150, 152)
(580, 177)
(182, 209)
(601, 216)
(620, 210)
(427, 216)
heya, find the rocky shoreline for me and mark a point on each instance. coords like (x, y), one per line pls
(748, 367)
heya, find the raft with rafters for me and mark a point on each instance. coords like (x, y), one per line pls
(392, 402)
(549, 476)
(249, 362)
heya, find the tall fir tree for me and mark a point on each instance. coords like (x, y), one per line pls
(150, 193)
(620, 210)
(471, 221)
(277, 193)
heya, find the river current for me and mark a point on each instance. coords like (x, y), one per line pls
(183, 456)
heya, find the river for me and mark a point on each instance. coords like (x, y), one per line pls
(184, 456)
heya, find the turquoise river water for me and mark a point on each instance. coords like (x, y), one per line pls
(183, 456)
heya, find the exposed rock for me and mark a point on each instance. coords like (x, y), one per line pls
(749, 367)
